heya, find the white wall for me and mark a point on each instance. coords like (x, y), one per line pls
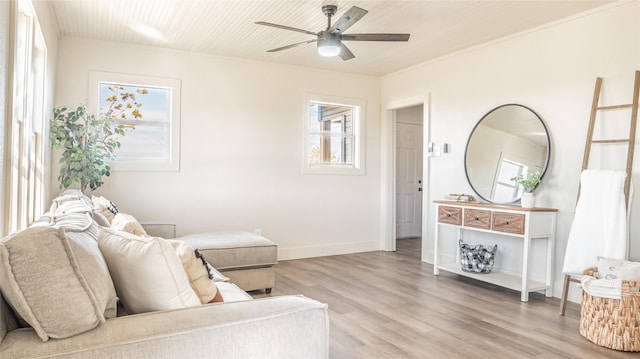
(552, 70)
(241, 155)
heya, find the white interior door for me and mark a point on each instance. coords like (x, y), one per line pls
(409, 182)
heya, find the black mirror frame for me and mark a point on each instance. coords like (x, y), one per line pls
(466, 150)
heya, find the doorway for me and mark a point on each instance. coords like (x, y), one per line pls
(409, 124)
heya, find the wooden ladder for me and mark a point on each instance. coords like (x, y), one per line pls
(587, 151)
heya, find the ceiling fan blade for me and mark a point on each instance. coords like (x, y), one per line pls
(292, 45)
(349, 18)
(286, 28)
(345, 53)
(375, 37)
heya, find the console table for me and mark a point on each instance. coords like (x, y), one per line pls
(523, 224)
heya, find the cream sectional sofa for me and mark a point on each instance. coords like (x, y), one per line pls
(58, 300)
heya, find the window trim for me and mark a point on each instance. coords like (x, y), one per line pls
(95, 77)
(358, 167)
(25, 71)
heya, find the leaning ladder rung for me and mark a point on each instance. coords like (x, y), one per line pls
(613, 107)
(585, 162)
(610, 141)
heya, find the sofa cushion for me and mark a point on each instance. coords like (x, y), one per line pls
(197, 272)
(56, 283)
(146, 271)
(232, 293)
(127, 223)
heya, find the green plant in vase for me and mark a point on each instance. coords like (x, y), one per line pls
(531, 181)
(88, 141)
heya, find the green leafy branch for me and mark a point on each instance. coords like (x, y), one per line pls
(530, 182)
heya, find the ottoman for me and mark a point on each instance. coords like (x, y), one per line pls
(244, 257)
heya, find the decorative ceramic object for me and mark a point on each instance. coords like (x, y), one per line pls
(528, 200)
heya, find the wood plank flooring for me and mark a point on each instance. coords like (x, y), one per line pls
(390, 305)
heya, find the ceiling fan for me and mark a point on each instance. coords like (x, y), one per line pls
(330, 40)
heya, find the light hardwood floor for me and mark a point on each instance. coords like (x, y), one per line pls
(390, 305)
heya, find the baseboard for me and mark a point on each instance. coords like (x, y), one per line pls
(327, 250)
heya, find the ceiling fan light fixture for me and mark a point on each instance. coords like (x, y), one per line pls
(329, 46)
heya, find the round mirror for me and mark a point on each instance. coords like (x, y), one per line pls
(508, 141)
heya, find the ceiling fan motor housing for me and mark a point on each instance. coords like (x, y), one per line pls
(328, 43)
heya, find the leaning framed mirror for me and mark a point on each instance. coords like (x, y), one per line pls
(509, 140)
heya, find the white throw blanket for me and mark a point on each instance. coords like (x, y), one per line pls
(604, 288)
(600, 224)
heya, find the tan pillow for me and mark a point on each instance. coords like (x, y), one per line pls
(104, 207)
(127, 223)
(58, 284)
(196, 268)
(146, 271)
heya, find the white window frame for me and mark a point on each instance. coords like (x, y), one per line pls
(358, 166)
(514, 186)
(24, 181)
(142, 164)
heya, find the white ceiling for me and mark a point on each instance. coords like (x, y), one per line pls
(226, 27)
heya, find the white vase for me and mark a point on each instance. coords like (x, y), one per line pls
(528, 200)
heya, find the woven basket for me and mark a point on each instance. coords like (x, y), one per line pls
(612, 323)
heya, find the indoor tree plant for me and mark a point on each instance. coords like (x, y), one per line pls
(528, 183)
(88, 141)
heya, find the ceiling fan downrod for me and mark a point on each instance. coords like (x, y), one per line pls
(329, 11)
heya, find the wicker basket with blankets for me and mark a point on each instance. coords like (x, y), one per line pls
(610, 312)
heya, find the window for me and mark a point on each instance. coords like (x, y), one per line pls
(154, 144)
(505, 189)
(25, 181)
(333, 135)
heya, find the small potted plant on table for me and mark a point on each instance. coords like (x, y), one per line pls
(528, 183)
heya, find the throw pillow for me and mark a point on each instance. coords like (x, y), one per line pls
(609, 268)
(127, 223)
(56, 283)
(217, 276)
(197, 270)
(70, 200)
(100, 219)
(146, 271)
(104, 206)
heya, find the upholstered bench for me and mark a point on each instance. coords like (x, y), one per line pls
(244, 257)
